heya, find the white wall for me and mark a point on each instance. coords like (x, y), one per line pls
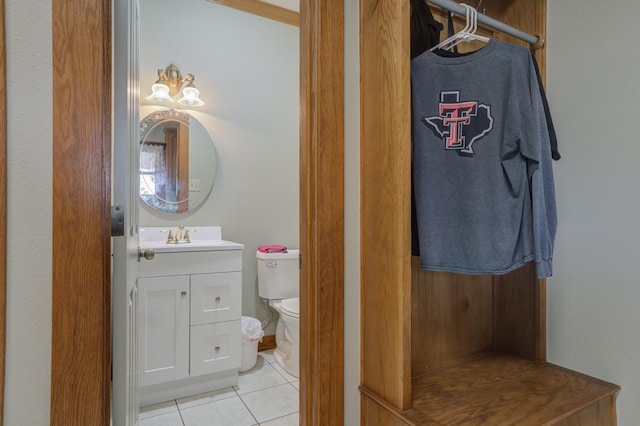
(594, 295)
(247, 71)
(29, 99)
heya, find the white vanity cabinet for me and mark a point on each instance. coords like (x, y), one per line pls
(189, 321)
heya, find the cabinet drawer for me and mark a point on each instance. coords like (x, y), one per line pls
(191, 262)
(215, 347)
(216, 297)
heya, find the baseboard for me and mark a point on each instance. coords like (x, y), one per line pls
(182, 388)
(268, 343)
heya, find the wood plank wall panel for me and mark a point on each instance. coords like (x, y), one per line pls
(3, 205)
(519, 305)
(528, 16)
(451, 320)
(521, 288)
(322, 212)
(385, 200)
(80, 379)
(539, 28)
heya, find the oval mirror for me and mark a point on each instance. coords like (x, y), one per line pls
(177, 162)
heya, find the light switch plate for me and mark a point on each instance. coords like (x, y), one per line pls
(194, 185)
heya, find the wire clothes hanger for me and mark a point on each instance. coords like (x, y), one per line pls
(468, 33)
(535, 41)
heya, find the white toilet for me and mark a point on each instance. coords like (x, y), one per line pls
(279, 282)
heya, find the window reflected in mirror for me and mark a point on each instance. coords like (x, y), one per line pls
(177, 162)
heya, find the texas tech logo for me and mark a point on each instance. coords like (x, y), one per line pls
(460, 124)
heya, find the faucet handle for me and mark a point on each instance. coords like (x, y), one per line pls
(185, 236)
(170, 238)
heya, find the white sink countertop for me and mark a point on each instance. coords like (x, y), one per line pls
(203, 238)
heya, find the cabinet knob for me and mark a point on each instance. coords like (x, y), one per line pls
(184, 293)
(217, 348)
(217, 298)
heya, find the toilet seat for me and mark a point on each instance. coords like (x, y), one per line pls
(290, 307)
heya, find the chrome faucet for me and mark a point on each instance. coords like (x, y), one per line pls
(181, 237)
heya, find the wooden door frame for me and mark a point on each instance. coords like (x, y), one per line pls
(81, 253)
(322, 212)
(80, 361)
(385, 201)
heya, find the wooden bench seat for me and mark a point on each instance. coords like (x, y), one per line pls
(505, 390)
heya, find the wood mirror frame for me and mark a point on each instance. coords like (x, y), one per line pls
(3, 205)
(80, 352)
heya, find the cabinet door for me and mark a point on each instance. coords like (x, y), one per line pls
(215, 347)
(216, 297)
(163, 340)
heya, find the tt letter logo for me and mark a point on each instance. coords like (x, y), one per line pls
(460, 124)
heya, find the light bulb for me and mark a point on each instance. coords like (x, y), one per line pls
(160, 93)
(191, 96)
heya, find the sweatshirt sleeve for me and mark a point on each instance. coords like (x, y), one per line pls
(535, 147)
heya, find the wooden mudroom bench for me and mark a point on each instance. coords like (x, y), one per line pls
(441, 348)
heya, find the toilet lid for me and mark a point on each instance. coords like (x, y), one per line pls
(291, 307)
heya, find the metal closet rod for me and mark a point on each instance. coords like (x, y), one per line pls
(486, 20)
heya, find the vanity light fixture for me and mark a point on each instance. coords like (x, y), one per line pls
(170, 82)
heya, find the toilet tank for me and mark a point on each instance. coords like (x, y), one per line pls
(278, 274)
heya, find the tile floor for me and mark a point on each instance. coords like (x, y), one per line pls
(266, 396)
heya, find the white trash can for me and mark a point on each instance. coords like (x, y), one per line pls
(251, 334)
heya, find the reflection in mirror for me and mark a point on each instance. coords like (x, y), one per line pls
(177, 162)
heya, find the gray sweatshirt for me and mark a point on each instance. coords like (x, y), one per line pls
(483, 182)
